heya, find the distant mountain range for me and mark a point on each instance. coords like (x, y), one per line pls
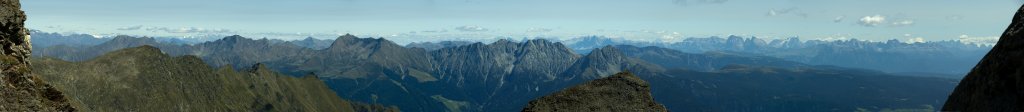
(504, 75)
(438, 45)
(941, 58)
(145, 79)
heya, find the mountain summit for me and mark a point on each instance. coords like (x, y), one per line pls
(622, 92)
(996, 84)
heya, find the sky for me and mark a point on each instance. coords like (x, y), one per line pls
(407, 21)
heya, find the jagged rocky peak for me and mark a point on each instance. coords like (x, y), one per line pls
(609, 60)
(543, 42)
(503, 42)
(348, 36)
(735, 38)
(622, 92)
(20, 90)
(349, 40)
(309, 40)
(234, 39)
(996, 84)
(606, 52)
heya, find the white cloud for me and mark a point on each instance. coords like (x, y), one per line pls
(470, 28)
(990, 40)
(188, 30)
(916, 40)
(774, 12)
(903, 23)
(136, 27)
(872, 21)
(835, 37)
(838, 19)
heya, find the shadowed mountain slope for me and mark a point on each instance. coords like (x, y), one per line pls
(814, 89)
(996, 84)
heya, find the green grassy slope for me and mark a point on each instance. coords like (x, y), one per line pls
(144, 79)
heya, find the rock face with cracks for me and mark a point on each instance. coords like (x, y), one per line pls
(19, 89)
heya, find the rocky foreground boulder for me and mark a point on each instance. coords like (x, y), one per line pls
(996, 84)
(622, 92)
(19, 89)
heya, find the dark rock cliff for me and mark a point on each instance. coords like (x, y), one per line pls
(622, 92)
(19, 89)
(996, 84)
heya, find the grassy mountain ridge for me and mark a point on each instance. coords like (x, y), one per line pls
(145, 79)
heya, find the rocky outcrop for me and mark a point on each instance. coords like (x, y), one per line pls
(622, 92)
(996, 84)
(19, 89)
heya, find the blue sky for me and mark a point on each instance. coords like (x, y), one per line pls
(432, 20)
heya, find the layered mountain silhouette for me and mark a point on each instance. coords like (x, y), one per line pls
(995, 84)
(708, 61)
(20, 90)
(944, 57)
(438, 45)
(504, 75)
(145, 79)
(81, 53)
(622, 92)
(310, 42)
(47, 39)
